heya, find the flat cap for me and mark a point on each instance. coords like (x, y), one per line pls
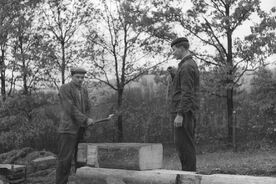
(179, 40)
(78, 70)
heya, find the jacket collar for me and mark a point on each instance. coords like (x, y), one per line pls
(185, 58)
(75, 85)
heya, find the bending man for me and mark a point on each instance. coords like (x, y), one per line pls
(75, 107)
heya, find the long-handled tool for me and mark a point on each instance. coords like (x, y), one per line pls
(87, 131)
(105, 119)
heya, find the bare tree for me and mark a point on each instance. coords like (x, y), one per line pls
(60, 21)
(120, 48)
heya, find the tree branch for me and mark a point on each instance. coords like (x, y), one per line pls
(203, 40)
(142, 72)
(216, 38)
(216, 6)
(105, 82)
(205, 60)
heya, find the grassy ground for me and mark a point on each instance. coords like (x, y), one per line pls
(257, 162)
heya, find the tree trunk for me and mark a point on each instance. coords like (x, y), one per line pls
(120, 116)
(24, 68)
(11, 82)
(230, 74)
(230, 113)
(26, 90)
(63, 63)
(3, 75)
(25, 86)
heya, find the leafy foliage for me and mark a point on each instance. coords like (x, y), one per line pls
(263, 90)
(60, 22)
(28, 121)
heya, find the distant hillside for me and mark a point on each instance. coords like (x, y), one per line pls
(246, 79)
(146, 83)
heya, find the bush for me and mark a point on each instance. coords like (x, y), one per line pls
(26, 121)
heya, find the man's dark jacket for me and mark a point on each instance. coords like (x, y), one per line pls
(75, 107)
(185, 87)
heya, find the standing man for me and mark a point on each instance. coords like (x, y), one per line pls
(185, 103)
(75, 107)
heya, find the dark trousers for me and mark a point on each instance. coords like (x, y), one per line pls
(67, 150)
(184, 138)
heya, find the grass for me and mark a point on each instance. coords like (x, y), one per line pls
(254, 162)
(257, 162)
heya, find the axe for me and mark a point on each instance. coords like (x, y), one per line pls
(103, 120)
(87, 132)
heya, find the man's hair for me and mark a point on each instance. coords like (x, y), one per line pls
(181, 42)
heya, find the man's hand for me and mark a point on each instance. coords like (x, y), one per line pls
(110, 116)
(90, 122)
(178, 121)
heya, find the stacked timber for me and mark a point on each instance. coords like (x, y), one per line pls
(14, 174)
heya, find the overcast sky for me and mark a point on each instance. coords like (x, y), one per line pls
(244, 29)
(267, 4)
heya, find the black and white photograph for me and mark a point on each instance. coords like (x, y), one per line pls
(137, 91)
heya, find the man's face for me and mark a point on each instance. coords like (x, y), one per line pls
(178, 52)
(170, 70)
(78, 78)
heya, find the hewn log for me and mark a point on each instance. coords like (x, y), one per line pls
(87, 175)
(181, 177)
(132, 156)
(237, 179)
(43, 163)
(113, 180)
(92, 156)
(82, 153)
(219, 178)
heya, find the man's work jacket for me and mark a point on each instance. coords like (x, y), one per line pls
(75, 107)
(185, 87)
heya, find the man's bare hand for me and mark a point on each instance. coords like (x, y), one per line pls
(178, 121)
(90, 122)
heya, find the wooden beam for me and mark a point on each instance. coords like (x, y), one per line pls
(87, 175)
(219, 178)
(131, 156)
(237, 179)
(42, 163)
(113, 180)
